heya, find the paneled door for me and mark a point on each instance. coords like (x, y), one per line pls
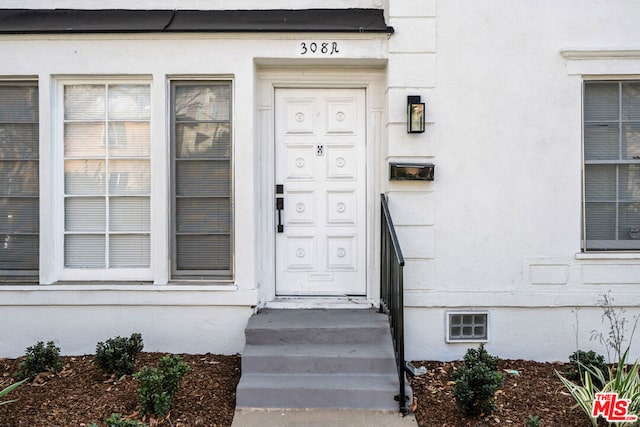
(320, 192)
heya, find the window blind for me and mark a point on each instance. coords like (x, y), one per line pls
(19, 179)
(612, 165)
(107, 175)
(201, 175)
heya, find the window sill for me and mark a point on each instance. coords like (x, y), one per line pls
(608, 255)
(204, 285)
(142, 286)
(466, 341)
(133, 294)
(586, 54)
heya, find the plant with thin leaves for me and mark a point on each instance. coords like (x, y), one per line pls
(584, 394)
(616, 337)
(624, 380)
(8, 390)
(574, 369)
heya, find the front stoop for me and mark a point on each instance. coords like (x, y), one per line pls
(340, 359)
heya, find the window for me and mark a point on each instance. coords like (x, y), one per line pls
(107, 175)
(201, 179)
(19, 181)
(612, 165)
(467, 326)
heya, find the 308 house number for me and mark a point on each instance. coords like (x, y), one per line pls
(323, 48)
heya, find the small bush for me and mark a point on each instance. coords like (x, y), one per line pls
(118, 355)
(116, 420)
(624, 380)
(575, 369)
(476, 381)
(156, 386)
(533, 421)
(40, 358)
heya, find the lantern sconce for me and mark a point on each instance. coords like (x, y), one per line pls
(415, 115)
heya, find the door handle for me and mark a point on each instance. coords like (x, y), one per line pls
(280, 206)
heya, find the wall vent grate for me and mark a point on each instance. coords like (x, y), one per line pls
(467, 326)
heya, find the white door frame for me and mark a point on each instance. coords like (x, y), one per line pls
(373, 80)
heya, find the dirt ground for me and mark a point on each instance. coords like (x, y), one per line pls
(82, 394)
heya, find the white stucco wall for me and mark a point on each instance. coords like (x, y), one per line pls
(180, 317)
(508, 131)
(506, 202)
(174, 328)
(498, 230)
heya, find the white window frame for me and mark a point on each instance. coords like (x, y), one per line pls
(26, 275)
(193, 276)
(589, 64)
(615, 246)
(63, 273)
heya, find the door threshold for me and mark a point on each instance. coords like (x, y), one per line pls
(304, 302)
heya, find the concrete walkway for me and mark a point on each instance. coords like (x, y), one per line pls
(320, 418)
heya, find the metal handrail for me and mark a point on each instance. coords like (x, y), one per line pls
(392, 293)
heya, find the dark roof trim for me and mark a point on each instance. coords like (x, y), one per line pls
(77, 21)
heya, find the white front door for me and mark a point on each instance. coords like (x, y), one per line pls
(320, 175)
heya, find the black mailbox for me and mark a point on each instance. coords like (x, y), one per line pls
(411, 171)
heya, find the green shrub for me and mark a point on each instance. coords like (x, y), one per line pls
(574, 370)
(476, 381)
(156, 386)
(118, 355)
(533, 421)
(116, 420)
(624, 380)
(40, 358)
(8, 390)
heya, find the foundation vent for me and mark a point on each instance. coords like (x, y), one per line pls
(467, 326)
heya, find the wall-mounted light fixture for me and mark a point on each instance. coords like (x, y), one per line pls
(415, 115)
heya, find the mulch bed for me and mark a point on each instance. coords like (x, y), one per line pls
(82, 394)
(535, 390)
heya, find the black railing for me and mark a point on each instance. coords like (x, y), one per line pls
(391, 293)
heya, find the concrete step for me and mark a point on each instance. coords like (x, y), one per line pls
(318, 391)
(320, 417)
(317, 327)
(319, 358)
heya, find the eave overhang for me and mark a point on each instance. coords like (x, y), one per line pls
(89, 21)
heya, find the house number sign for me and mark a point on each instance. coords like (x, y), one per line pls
(319, 48)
